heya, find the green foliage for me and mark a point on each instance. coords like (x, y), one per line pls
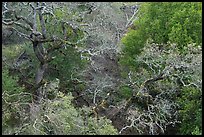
(9, 84)
(191, 111)
(67, 66)
(197, 131)
(61, 118)
(11, 51)
(56, 22)
(66, 59)
(100, 127)
(177, 22)
(14, 102)
(80, 87)
(125, 92)
(15, 99)
(133, 44)
(185, 24)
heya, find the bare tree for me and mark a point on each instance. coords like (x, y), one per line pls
(105, 23)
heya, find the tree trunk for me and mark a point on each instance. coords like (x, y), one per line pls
(40, 54)
(38, 78)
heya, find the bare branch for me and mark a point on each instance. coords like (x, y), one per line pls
(20, 33)
(42, 22)
(24, 19)
(16, 23)
(34, 19)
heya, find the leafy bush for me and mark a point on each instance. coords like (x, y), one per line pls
(9, 84)
(14, 103)
(125, 92)
(176, 22)
(60, 117)
(191, 111)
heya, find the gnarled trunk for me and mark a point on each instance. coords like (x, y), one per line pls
(38, 78)
(40, 54)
